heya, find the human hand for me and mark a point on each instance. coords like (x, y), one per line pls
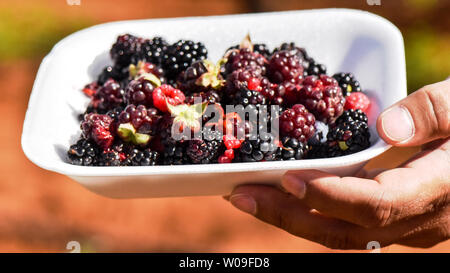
(408, 205)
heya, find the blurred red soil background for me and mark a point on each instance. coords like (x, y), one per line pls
(41, 211)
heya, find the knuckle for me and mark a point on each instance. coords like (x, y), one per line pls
(438, 101)
(378, 211)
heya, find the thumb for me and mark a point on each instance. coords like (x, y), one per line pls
(419, 118)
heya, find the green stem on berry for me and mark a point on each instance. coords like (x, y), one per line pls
(128, 133)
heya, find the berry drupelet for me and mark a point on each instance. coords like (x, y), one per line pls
(140, 91)
(348, 138)
(84, 153)
(352, 115)
(98, 128)
(137, 124)
(124, 48)
(348, 83)
(297, 122)
(108, 96)
(141, 157)
(150, 50)
(180, 55)
(285, 66)
(323, 97)
(292, 149)
(263, 148)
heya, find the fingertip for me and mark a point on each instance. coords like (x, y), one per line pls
(396, 125)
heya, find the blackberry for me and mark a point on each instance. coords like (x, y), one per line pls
(293, 49)
(201, 76)
(151, 50)
(188, 78)
(142, 157)
(98, 127)
(113, 72)
(83, 153)
(285, 66)
(140, 91)
(114, 113)
(175, 153)
(138, 123)
(201, 151)
(348, 83)
(315, 68)
(292, 149)
(124, 48)
(348, 138)
(257, 48)
(352, 115)
(179, 56)
(323, 97)
(109, 158)
(143, 69)
(245, 58)
(209, 97)
(246, 96)
(297, 122)
(251, 77)
(108, 96)
(263, 148)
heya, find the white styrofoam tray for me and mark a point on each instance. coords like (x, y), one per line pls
(345, 40)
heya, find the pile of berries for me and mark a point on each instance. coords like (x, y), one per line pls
(167, 104)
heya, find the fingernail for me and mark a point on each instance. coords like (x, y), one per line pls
(244, 202)
(398, 124)
(294, 185)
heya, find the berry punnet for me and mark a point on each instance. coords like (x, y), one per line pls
(297, 122)
(323, 97)
(158, 103)
(180, 55)
(348, 83)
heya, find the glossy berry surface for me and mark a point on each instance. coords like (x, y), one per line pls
(297, 122)
(285, 66)
(97, 128)
(323, 97)
(166, 94)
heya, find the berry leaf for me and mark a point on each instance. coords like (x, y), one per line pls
(128, 133)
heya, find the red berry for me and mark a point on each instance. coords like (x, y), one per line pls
(167, 94)
(357, 100)
(297, 122)
(224, 159)
(253, 83)
(98, 128)
(229, 153)
(285, 66)
(323, 97)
